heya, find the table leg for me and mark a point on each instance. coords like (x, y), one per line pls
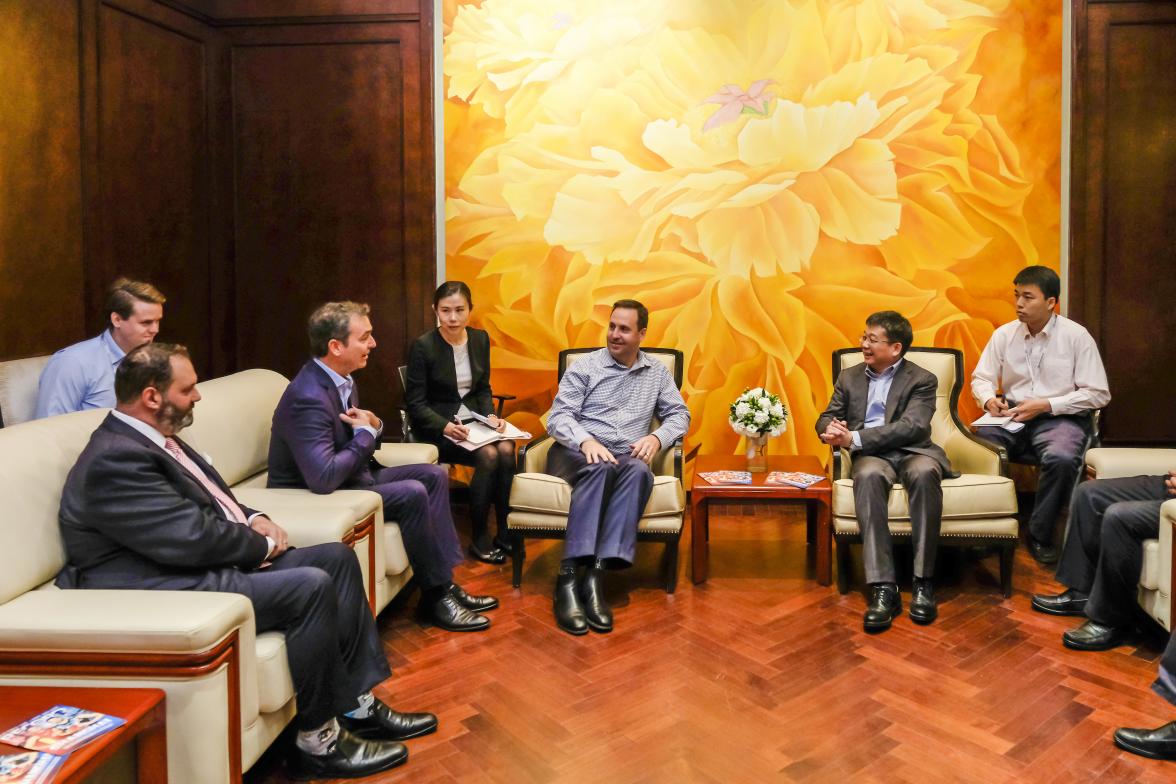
(699, 531)
(824, 542)
(151, 749)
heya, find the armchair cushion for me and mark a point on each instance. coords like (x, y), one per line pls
(19, 380)
(968, 496)
(547, 494)
(1112, 463)
(275, 687)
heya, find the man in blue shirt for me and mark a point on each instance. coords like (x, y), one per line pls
(881, 411)
(82, 375)
(600, 420)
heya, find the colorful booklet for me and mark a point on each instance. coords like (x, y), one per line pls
(795, 478)
(727, 477)
(29, 767)
(60, 729)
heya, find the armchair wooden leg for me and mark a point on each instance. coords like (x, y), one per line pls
(1006, 568)
(518, 554)
(844, 565)
(670, 565)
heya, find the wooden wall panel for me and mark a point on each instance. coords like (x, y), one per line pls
(152, 173)
(1124, 237)
(40, 179)
(323, 118)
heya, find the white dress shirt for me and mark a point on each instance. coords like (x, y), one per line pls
(1060, 363)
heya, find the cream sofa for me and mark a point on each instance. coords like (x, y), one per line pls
(19, 379)
(229, 692)
(1155, 578)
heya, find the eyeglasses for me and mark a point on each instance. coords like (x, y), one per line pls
(873, 341)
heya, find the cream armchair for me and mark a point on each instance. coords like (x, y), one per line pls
(19, 379)
(539, 502)
(1155, 578)
(979, 506)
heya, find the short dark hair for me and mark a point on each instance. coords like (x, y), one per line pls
(149, 365)
(898, 329)
(632, 304)
(451, 287)
(332, 321)
(122, 295)
(1043, 278)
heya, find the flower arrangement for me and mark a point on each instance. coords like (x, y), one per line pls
(758, 412)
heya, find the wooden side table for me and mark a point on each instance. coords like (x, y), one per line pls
(817, 498)
(143, 710)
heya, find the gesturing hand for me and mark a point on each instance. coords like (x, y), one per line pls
(359, 417)
(596, 453)
(837, 434)
(1030, 409)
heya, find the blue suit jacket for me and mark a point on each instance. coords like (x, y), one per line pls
(310, 446)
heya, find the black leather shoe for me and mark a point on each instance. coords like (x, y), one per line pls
(1069, 602)
(569, 613)
(349, 758)
(885, 605)
(1044, 554)
(475, 603)
(448, 614)
(383, 723)
(1092, 636)
(1159, 743)
(923, 607)
(505, 545)
(591, 591)
(491, 556)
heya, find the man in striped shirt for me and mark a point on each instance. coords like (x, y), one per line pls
(601, 420)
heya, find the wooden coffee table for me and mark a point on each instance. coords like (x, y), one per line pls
(143, 710)
(817, 499)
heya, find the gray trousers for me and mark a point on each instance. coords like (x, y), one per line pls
(607, 502)
(1055, 443)
(1126, 504)
(873, 477)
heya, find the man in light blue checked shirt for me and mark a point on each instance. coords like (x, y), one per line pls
(600, 420)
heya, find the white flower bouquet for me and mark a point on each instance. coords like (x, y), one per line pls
(758, 412)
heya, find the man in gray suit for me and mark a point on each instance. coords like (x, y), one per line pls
(881, 411)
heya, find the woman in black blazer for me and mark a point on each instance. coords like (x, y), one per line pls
(448, 377)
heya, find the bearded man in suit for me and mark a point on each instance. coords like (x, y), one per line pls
(881, 411)
(143, 510)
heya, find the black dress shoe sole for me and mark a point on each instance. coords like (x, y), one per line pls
(600, 628)
(379, 733)
(1143, 751)
(427, 622)
(1114, 642)
(1069, 608)
(1048, 558)
(924, 619)
(574, 632)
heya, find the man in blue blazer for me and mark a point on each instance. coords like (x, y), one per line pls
(323, 441)
(142, 510)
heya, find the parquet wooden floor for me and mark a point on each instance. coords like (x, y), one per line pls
(762, 675)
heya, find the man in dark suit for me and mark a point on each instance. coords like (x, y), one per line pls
(322, 440)
(881, 411)
(142, 510)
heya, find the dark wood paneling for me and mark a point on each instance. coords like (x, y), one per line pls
(1124, 239)
(152, 173)
(40, 179)
(324, 118)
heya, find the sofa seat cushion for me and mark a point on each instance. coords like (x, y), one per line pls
(395, 556)
(275, 687)
(547, 494)
(392, 455)
(967, 496)
(1149, 576)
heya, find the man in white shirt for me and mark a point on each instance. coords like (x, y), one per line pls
(1044, 371)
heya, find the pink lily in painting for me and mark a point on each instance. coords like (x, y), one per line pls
(734, 101)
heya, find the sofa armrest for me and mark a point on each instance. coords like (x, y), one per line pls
(1111, 463)
(121, 621)
(392, 455)
(1167, 548)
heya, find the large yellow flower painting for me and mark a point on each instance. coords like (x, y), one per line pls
(762, 174)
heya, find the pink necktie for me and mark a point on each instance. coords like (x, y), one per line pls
(227, 503)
